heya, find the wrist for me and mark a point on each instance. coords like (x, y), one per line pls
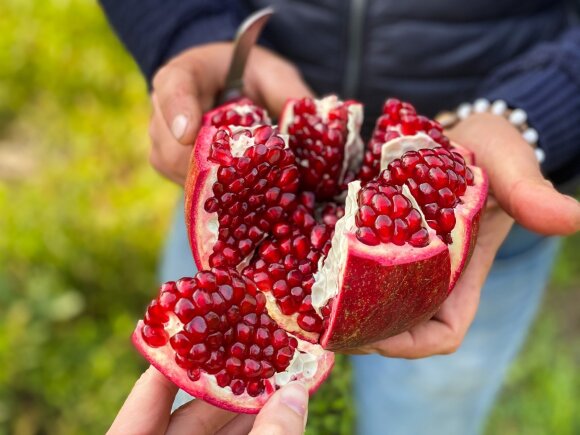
(498, 109)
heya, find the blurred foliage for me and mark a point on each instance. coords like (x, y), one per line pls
(81, 224)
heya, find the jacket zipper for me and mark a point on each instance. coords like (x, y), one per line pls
(354, 48)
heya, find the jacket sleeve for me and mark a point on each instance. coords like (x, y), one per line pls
(545, 82)
(155, 30)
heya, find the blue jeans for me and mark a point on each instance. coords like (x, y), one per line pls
(443, 394)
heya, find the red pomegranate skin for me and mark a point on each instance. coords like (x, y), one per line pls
(377, 302)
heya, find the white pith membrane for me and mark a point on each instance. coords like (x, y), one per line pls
(395, 148)
(246, 109)
(354, 146)
(237, 147)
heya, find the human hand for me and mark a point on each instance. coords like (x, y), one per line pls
(186, 87)
(147, 410)
(520, 193)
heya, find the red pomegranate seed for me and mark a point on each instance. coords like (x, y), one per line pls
(154, 336)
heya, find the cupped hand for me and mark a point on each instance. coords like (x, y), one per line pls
(186, 87)
(519, 192)
(147, 410)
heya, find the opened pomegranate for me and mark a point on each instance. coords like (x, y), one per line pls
(326, 268)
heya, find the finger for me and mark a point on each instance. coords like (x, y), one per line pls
(515, 176)
(177, 92)
(147, 409)
(168, 157)
(241, 425)
(284, 413)
(444, 333)
(198, 417)
(271, 80)
(186, 87)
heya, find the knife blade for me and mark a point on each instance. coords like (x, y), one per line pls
(245, 39)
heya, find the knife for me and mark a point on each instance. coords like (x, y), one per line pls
(246, 38)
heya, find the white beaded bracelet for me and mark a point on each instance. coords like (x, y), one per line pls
(517, 117)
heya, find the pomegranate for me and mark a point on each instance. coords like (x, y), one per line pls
(326, 268)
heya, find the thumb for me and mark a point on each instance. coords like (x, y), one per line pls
(284, 413)
(515, 177)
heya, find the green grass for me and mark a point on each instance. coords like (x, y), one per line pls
(81, 223)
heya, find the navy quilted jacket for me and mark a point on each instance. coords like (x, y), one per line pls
(435, 54)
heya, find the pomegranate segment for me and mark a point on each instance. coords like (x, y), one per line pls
(370, 291)
(398, 119)
(245, 183)
(212, 336)
(241, 112)
(324, 135)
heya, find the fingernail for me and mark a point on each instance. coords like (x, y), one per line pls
(295, 396)
(178, 126)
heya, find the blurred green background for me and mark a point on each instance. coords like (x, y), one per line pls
(82, 219)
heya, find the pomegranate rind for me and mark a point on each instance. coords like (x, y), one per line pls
(467, 215)
(383, 293)
(200, 177)
(206, 388)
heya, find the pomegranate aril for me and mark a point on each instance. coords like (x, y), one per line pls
(244, 333)
(223, 379)
(202, 301)
(197, 329)
(367, 236)
(238, 350)
(194, 374)
(238, 386)
(279, 338)
(198, 353)
(213, 321)
(446, 198)
(215, 362)
(310, 322)
(215, 340)
(251, 368)
(154, 336)
(268, 351)
(401, 206)
(420, 238)
(156, 313)
(184, 310)
(255, 388)
(446, 220)
(267, 370)
(384, 228)
(283, 357)
(400, 232)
